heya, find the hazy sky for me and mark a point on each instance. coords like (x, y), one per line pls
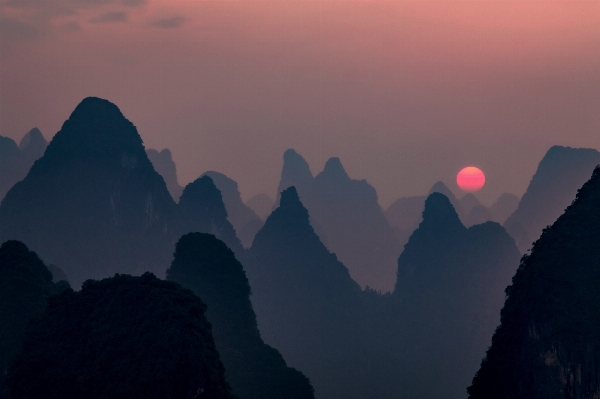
(405, 93)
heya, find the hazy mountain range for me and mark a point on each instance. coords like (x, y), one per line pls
(275, 300)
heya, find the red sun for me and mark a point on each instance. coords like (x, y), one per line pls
(470, 179)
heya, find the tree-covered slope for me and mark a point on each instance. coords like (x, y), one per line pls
(25, 286)
(122, 337)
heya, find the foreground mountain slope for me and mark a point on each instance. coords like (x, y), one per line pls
(122, 337)
(205, 265)
(25, 286)
(93, 204)
(548, 343)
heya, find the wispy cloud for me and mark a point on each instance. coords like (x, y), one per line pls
(169, 23)
(110, 17)
(35, 19)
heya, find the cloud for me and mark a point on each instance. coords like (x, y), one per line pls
(11, 28)
(23, 20)
(169, 23)
(110, 17)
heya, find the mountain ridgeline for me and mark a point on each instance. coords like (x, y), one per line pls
(347, 217)
(15, 161)
(548, 343)
(94, 204)
(206, 266)
(562, 171)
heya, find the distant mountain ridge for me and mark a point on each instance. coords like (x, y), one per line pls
(346, 215)
(560, 173)
(15, 161)
(164, 165)
(242, 217)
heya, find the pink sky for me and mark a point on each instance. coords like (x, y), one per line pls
(405, 93)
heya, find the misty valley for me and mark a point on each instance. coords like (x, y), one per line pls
(118, 282)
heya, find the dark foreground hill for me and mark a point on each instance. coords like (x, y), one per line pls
(548, 344)
(445, 306)
(94, 204)
(346, 215)
(205, 265)
(25, 286)
(122, 337)
(306, 304)
(561, 172)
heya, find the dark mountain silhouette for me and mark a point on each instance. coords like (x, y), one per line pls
(201, 206)
(346, 215)
(204, 264)
(261, 204)
(450, 289)
(25, 286)
(164, 165)
(243, 219)
(122, 337)
(548, 344)
(93, 204)
(504, 206)
(307, 305)
(440, 187)
(560, 173)
(15, 161)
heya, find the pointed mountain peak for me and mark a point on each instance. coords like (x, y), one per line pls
(203, 188)
(334, 168)
(33, 138)
(439, 211)
(440, 187)
(295, 169)
(290, 198)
